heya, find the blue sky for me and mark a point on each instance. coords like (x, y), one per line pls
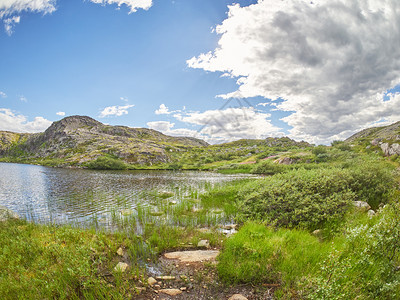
(84, 58)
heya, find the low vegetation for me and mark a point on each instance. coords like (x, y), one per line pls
(299, 231)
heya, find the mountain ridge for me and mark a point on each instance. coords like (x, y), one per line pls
(79, 139)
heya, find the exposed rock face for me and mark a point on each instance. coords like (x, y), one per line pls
(284, 161)
(389, 150)
(78, 139)
(376, 134)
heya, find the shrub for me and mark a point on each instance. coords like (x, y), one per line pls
(366, 268)
(319, 150)
(309, 198)
(106, 163)
(268, 167)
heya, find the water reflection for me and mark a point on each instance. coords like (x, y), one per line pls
(44, 194)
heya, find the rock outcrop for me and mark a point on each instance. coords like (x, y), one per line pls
(7, 214)
(78, 139)
(390, 149)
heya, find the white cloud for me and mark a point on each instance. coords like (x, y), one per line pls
(115, 111)
(3, 95)
(133, 5)
(330, 60)
(23, 98)
(163, 110)
(9, 24)
(218, 126)
(10, 121)
(167, 128)
(124, 99)
(11, 9)
(60, 113)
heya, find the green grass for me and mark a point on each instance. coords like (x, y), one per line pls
(48, 262)
(260, 254)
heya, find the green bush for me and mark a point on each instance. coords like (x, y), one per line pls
(319, 150)
(268, 167)
(309, 198)
(106, 163)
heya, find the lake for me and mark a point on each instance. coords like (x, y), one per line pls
(43, 194)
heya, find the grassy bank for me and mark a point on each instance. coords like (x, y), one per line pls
(299, 232)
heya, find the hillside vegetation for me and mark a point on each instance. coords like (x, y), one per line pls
(76, 140)
(320, 223)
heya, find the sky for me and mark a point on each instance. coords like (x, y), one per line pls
(221, 70)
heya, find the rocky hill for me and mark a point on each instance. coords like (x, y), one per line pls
(78, 139)
(387, 138)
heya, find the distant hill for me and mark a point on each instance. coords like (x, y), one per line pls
(79, 139)
(389, 133)
(387, 138)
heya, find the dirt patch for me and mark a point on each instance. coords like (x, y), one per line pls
(197, 278)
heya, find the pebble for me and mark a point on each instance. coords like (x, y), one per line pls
(121, 267)
(151, 281)
(120, 252)
(203, 244)
(171, 292)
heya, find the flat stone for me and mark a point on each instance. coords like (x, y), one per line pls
(171, 292)
(193, 256)
(203, 244)
(151, 281)
(165, 278)
(237, 297)
(121, 267)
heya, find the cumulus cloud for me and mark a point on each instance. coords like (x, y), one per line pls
(163, 110)
(133, 5)
(60, 113)
(218, 126)
(23, 98)
(3, 95)
(10, 121)
(115, 111)
(331, 61)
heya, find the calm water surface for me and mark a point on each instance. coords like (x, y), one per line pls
(43, 194)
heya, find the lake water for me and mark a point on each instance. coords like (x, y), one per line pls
(43, 194)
